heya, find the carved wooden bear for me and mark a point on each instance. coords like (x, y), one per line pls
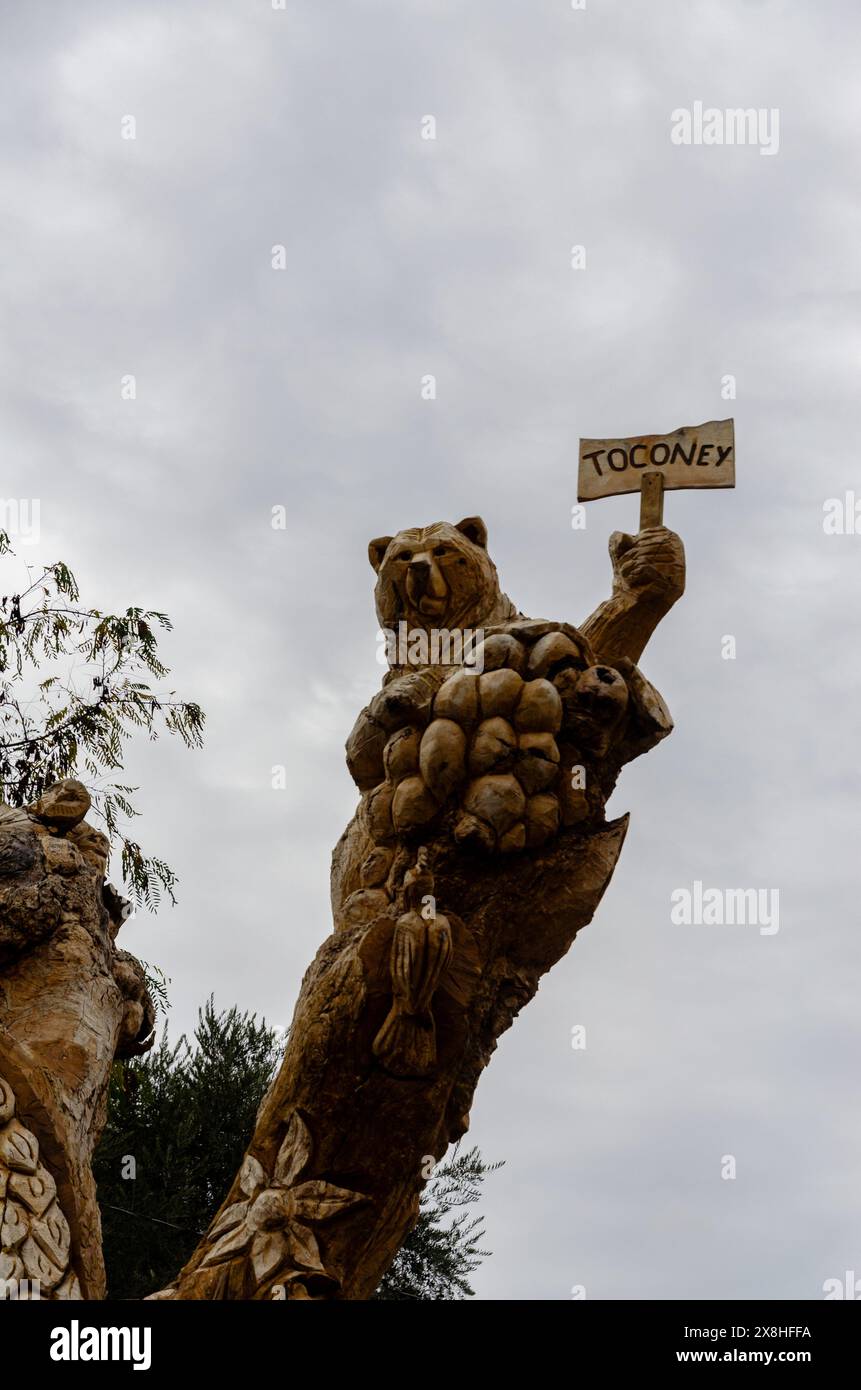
(502, 743)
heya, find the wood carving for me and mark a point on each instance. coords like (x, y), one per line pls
(69, 1003)
(421, 950)
(479, 849)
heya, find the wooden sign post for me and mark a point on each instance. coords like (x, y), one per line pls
(693, 456)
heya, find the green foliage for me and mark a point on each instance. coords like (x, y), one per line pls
(185, 1115)
(157, 985)
(79, 715)
(439, 1253)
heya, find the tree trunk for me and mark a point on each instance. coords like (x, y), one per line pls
(69, 1003)
(342, 1146)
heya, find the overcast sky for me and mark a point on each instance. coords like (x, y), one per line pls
(301, 387)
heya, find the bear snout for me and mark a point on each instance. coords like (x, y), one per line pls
(427, 591)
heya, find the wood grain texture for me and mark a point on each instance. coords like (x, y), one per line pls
(699, 456)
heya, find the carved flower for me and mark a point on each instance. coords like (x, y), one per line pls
(274, 1223)
(295, 1151)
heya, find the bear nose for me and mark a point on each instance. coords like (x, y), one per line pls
(421, 570)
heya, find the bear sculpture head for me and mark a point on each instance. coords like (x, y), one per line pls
(438, 576)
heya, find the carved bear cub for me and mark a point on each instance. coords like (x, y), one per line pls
(513, 743)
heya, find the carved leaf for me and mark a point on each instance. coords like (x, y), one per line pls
(7, 1101)
(19, 1149)
(251, 1176)
(295, 1152)
(304, 1249)
(51, 1232)
(318, 1201)
(267, 1252)
(231, 1244)
(70, 1288)
(38, 1265)
(229, 1218)
(10, 1266)
(36, 1190)
(14, 1227)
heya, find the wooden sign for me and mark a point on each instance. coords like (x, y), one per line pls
(694, 456)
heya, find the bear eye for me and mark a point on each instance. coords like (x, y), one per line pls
(405, 555)
(441, 550)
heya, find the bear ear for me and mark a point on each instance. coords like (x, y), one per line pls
(377, 550)
(474, 529)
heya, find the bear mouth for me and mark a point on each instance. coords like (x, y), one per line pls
(432, 607)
